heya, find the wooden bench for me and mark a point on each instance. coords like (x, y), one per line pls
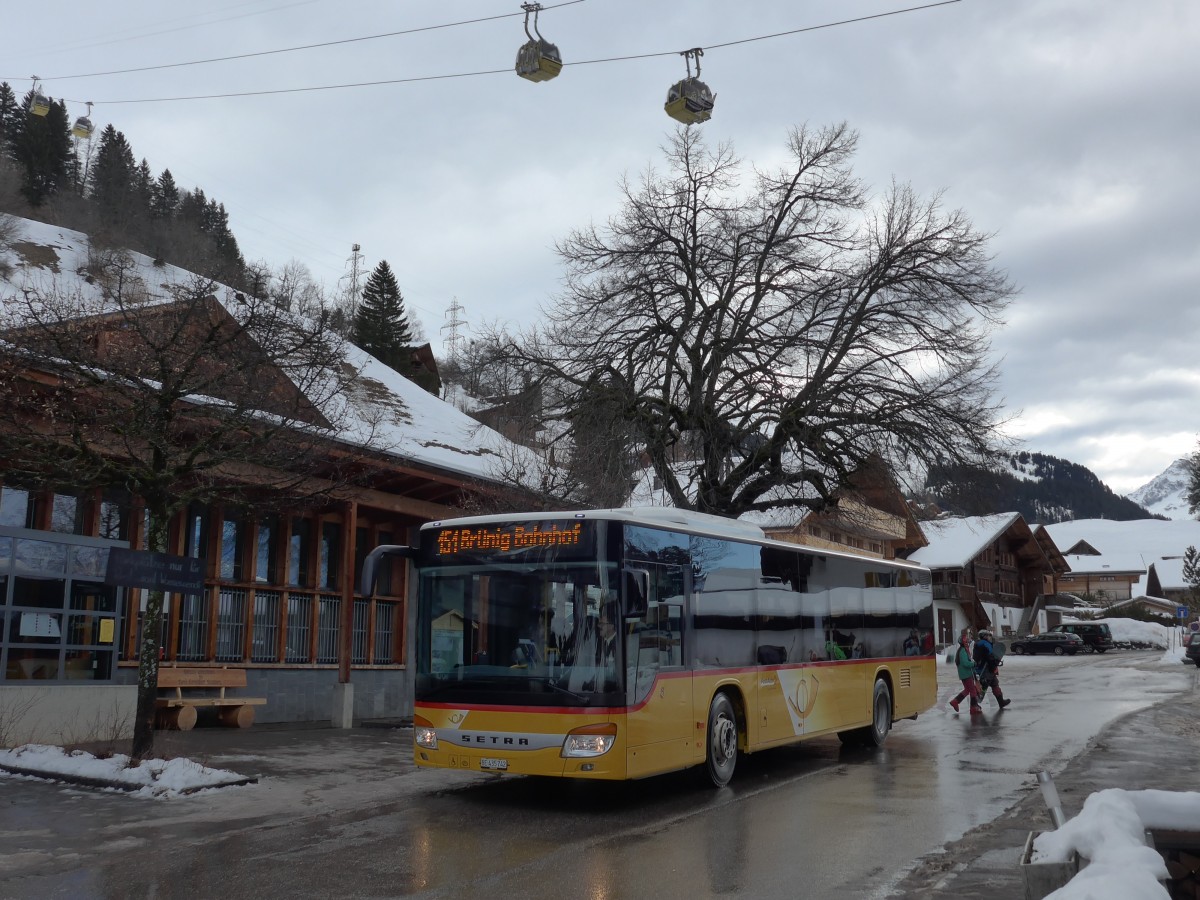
(179, 711)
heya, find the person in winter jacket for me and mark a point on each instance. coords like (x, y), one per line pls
(986, 666)
(966, 672)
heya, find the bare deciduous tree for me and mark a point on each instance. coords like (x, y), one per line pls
(293, 288)
(760, 345)
(177, 399)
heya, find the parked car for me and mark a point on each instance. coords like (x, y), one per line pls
(1193, 651)
(1056, 642)
(1096, 635)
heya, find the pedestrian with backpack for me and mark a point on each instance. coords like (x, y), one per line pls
(987, 662)
(966, 672)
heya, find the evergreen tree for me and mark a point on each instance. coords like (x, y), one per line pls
(41, 146)
(164, 197)
(1191, 576)
(143, 189)
(1192, 493)
(112, 180)
(10, 112)
(381, 326)
(191, 209)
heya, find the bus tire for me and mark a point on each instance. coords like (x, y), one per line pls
(722, 740)
(881, 715)
(881, 720)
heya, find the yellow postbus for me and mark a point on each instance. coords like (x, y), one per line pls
(614, 644)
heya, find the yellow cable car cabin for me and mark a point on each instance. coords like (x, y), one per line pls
(689, 101)
(40, 105)
(538, 60)
(83, 127)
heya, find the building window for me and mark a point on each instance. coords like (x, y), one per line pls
(115, 516)
(195, 538)
(331, 544)
(15, 508)
(58, 621)
(264, 563)
(387, 571)
(362, 543)
(233, 549)
(66, 514)
(299, 550)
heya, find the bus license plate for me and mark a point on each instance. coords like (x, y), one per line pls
(490, 763)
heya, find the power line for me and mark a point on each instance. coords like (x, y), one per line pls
(353, 40)
(132, 34)
(585, 62)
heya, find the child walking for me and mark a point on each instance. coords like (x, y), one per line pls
(987, 661)
(966, 672)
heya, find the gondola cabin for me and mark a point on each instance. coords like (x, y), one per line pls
(689, 101)
(538, 60)
(40, 106)
(83, 128)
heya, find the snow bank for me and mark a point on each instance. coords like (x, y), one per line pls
(149, 778)
(1110, 832)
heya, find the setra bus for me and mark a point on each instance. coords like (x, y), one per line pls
(615, 644)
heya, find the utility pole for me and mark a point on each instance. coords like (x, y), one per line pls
(454, 321)
(352, 292)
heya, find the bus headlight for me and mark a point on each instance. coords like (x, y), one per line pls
(424, 733)
(590, 740)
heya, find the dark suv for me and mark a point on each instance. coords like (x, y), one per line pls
(1096, 636)
(1192, 653)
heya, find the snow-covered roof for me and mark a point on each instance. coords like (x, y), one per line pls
(415, 426)
(1151, 539)
(1106, 564)
(954, 541)
(1170, 574)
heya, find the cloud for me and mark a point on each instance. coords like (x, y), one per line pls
(1066, 127)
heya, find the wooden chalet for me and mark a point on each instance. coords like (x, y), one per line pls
(280, 597)
(871, 518)
(989, 572)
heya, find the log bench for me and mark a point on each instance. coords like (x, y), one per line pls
(178, 711)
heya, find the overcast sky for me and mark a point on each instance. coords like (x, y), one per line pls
(1069, 128)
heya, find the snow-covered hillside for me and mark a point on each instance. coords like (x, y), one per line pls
(419, 427)
(1164, 495)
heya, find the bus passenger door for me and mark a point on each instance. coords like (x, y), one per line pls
(658, 687)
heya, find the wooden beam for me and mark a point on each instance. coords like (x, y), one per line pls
(423, 509)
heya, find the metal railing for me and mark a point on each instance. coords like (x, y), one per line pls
(193, 627)
(299, 628)
(264, 639)
(328, 628)
(231, 625)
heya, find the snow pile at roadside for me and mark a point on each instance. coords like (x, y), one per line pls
(1132, 630)
(149, 778)
(1109, 832)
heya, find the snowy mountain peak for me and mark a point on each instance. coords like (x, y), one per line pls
(1166, 494)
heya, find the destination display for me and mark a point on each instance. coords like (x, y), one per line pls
(573, 539)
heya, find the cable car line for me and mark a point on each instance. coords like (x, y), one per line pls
(609, 59)
(353, 40)
(60, 47)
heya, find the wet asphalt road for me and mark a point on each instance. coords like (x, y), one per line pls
(345, 813)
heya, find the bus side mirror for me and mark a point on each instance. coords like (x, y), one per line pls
(374, 562)
(636, 587)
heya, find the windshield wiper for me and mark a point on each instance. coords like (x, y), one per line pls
(548, 681)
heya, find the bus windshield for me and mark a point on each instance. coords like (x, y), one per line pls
(533, 633)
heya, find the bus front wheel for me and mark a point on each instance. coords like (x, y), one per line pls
(722, 741)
